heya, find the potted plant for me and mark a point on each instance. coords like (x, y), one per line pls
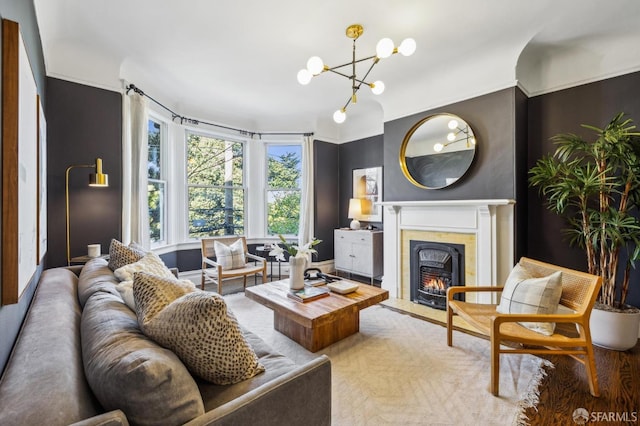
(298, 259)
(595, 186)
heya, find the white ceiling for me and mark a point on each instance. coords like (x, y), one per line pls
(235, 62)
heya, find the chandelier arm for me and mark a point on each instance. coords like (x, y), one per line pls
(367, 73)
(350, 63)
(348, 76)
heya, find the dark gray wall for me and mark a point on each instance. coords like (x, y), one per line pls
(327, 173)
(492, 175)
(360, 154)
(564, 112)
(11, 316)
(83, 123)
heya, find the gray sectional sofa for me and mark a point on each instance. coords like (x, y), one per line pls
(126, 378)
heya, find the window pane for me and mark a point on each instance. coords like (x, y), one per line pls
(215, 211)
(153, 165)
(214, 162)
(156, 195)
(284, 168)
(283, 212)
(284, 173)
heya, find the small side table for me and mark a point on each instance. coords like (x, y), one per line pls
(263, 251)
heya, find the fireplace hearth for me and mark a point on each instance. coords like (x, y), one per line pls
(434, 267)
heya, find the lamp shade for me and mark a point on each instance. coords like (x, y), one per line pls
(355, 211)
(98, 178)
(355, 208)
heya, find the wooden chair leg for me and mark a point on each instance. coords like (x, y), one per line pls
(449, 326)
(495, 365)
(202, 280)
(592, 374)
(244, 281)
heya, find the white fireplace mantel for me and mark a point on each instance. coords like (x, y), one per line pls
(490, 222)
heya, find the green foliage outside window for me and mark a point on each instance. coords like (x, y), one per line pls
(283, 194)
(215, 186)
(155, 189)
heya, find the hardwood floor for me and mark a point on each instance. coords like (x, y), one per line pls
(565, 389)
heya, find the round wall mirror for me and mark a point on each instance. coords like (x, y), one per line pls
(437, 151)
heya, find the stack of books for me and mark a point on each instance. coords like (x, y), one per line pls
(308, 293)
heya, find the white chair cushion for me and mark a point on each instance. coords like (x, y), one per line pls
(526, 294)
(230, 257)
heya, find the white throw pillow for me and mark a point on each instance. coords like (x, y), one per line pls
(150, 263)
(230, 257)
(525, 294)
(197, 327)
(125, 288)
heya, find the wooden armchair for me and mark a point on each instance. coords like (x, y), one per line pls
(571, 337)
(214, 272)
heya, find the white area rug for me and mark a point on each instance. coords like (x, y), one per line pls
(398, 370)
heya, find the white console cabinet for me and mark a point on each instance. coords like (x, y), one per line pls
(358, 252)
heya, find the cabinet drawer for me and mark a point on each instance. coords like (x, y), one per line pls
(354, 237)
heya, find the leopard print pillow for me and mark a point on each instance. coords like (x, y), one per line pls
(121, 254)
(197, 327)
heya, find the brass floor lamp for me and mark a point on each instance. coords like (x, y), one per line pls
(97, 179)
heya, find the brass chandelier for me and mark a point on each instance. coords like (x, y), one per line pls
(384, 49)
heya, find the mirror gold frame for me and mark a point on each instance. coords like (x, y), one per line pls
(437, 151)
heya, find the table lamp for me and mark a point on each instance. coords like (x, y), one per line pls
(355, 211)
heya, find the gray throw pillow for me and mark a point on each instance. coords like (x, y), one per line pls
(197, 326)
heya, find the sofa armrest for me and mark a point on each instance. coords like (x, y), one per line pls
(301, 396)
(111, 418)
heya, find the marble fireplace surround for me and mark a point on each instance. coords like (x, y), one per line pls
(484, 227)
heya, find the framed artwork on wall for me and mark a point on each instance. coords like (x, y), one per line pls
(20, 171)
(367, 186)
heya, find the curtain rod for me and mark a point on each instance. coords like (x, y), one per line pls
(188, 120)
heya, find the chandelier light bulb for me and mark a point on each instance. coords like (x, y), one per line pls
(407, 47)
(453, 124)
(451, 136)
(304, 76)
(438, 147)
(384, 48)
(377, 87)
(339, 116)
(315, 65)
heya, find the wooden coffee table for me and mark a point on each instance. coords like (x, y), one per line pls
(318, 323)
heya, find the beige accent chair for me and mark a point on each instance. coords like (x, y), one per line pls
(571, 337)
(212, 271)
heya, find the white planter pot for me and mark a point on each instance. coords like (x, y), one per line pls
(614, 330)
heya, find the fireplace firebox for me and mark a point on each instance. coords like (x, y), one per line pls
(434, 267)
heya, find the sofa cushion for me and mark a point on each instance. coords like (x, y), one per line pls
(230, 257)
(128, 371)
(96, 277)
(121, 254)
(524, 293)
(197, 326)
